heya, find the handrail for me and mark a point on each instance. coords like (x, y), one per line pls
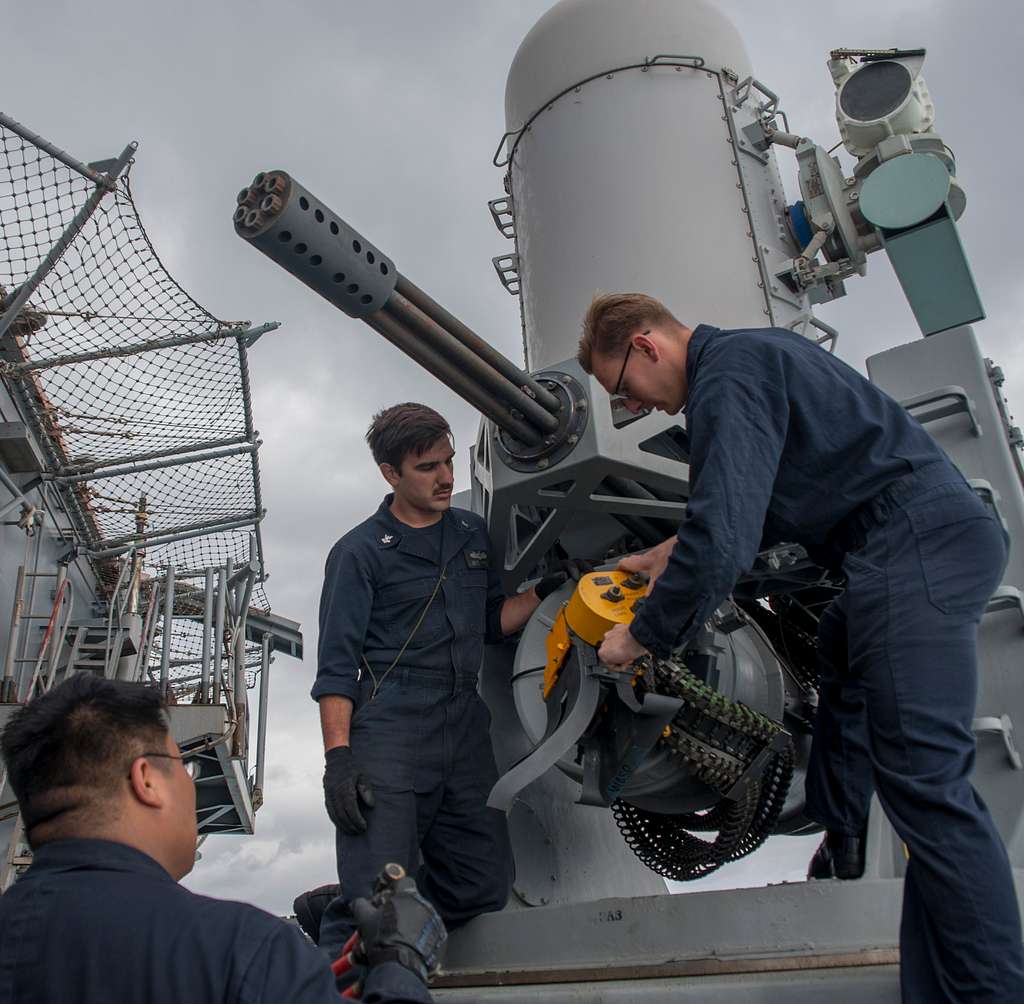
(147, 632)
(125, 565)
(64, 588)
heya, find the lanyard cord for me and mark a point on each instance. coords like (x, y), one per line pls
(412, 634)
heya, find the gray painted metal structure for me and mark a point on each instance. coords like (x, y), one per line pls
(640, 154)
(573, 135)
(120, 604)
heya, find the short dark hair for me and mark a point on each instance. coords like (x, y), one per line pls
(612, 318)
(402, 429)
(68, 749)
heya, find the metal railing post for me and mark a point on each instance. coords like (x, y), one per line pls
(165, 658)
(57, 644)
(204, 686)
(218, 629)
(261, 725)
(241, 615)
(29, 605)
(152, 615)
(7, 692)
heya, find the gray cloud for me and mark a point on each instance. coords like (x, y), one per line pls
(390, 111)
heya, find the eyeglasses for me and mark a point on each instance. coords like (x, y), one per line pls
(618, 391)
(191, 766)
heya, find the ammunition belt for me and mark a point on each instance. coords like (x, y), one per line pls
(714, 740)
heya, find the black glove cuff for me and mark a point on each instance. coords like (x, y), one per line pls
(338, 754)
(401, 954)
(549, 584)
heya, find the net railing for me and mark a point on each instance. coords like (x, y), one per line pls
(137, 394)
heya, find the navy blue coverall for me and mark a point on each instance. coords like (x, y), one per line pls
(789, 444)
(93, 920)
(420, 732)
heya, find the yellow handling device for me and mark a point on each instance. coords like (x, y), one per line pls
(600, 601)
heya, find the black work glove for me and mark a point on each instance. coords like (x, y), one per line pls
(404, 928)
(549, 584)
(345, 787)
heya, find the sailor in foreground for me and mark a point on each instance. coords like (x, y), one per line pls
(789, 444)
(409, 598)
(109, 807)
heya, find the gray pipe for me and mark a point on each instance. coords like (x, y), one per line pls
(7, 692)
(490, 355)
(241, 702)
(204, 686)
(641, 528)
(261, 727)
(449, 374)
(218, 629)
(477, 369)
(630, 489)
(165, 656)
(142, 666)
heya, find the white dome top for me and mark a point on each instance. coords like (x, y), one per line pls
(579, 38)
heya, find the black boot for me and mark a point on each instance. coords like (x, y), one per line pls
(838, 856)
(309, 908)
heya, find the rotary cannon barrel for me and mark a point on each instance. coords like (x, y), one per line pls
(298, 231)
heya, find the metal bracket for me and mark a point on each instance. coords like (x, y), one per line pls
(507, 267)
(17, 494)
(941, 403)
(743, 90)
(984, 490)
(1006, 598)
(757, 767)
(570, 706)
(1004, 727)
(503, 215)
(828, 333)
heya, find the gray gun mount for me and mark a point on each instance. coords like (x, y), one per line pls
(539, 419)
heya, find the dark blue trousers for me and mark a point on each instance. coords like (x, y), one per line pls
(424, 743)
(898, 690)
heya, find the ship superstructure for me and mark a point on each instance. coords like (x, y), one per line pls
(131, 504)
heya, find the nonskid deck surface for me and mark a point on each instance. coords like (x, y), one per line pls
(821, 930)
(853, 984)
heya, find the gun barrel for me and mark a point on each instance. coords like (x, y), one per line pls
(474, 342)
(292, 227)
(412, 318)
(450, 375)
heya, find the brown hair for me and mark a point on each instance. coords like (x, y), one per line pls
(402, 429)
(612, 318)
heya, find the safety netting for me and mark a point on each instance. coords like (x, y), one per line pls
(138, 395)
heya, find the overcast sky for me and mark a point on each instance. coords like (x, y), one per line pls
(390, 111)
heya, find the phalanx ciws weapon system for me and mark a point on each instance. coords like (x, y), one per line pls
(641, 155)
(659, 748)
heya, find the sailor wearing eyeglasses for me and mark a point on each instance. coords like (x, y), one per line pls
(109, 807)
(789, 444)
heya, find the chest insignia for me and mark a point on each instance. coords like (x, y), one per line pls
(388, 540)
(478, 559)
